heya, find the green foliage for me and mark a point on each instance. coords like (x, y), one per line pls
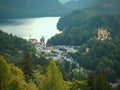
(101, 82)
(98, 82)
(31, 86)
(102, 55)
(53, 79)
(41, 59)
(79, 85)
(27, 66)
(4, 74)
(71, 72)
(91, 81)
(42, 39)
(12, 77)
(12, 47)
(17, 81)
(29, 8)
(79, 26)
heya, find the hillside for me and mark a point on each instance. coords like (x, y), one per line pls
(101, 55)
(81, 28)
(82, 24)
(97, 8)
(78, 4)
(29, 8)
(37, 8)
(13, 48)
(96, 5)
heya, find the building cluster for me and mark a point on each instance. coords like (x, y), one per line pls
(61, 53)
(56, 52)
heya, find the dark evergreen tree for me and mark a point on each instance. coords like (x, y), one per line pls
(53, 79)
(91, 80)
(27, 66)
(101, 82)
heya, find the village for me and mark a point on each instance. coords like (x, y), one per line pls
(56, 52)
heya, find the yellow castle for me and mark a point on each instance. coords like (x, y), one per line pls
(102, 34)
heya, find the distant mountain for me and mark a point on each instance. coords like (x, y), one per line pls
(79, 4)
(81, 15)
(37, 8)
(103, 5)
(29, 8)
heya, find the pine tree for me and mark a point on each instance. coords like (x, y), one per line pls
(27, 67)
(42, 39)
(4, 74)
(17, 81)
(101, 82)
(53, 79)
(91, 80)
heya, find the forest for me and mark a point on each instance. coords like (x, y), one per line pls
(27, 77)
(78, 27)
(21, 69)
(29, 8)
(82, 24)
(40, 8)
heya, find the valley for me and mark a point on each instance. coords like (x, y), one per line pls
(59, 45)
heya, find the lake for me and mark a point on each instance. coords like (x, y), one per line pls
(32, 27)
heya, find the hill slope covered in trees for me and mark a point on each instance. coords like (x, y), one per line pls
(29, 8)
(81, 28)
(37, 8)
(13, 48)
(80, 25)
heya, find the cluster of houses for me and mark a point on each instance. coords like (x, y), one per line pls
(56, 52)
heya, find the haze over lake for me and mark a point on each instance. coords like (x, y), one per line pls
(34, 27)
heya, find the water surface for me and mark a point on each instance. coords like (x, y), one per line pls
(32, 27)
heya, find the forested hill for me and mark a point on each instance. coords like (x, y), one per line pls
(96, 5)
(29, 8)
(109, 7)
(37, 8)
(81, 28)
(12, 47)
(81, 25)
